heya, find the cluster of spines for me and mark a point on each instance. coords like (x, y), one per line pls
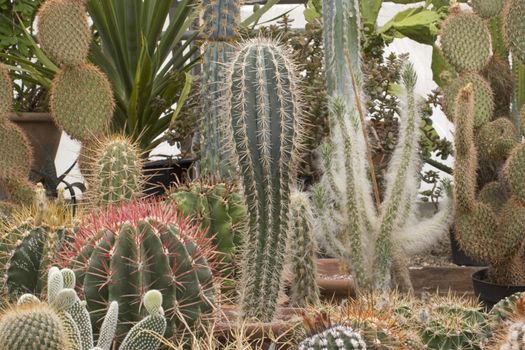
(140, 246)
(265, 120)
(334, 338)
(304, 290)
(81, 97)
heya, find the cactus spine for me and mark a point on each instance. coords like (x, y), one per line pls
(221, 20)
(81, 96)
(141, 246)
(265, 121)
(303, 249)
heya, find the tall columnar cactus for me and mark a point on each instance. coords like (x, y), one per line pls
(265, 121)
(334, 338)
(221, 20)
(123, 252)
(28, 249)
(302, 249)
(218, 209)
(374, 243)
(115, 171)
(81, 96)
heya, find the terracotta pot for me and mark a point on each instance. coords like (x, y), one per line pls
(428, 279)
(44, 136)
(287, 320)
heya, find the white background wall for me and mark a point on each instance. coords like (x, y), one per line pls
(420, 55)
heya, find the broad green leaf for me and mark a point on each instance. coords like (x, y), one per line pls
(183, 96)
(370, 11)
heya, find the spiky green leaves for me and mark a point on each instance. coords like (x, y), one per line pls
(63, 31)
(33, 326)
(15, 154)
(482, 94)
(495, 140)
(6, 92)
(487, 8)
(115, 173)
(465, 42)
(82, 101)
(514, 28)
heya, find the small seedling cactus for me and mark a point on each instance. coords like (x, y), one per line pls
(123, 252)
(334, 338)
(265, 121)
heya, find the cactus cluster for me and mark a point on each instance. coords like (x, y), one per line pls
(265, 125)
(113, 170)
(221, 20)
(121, 253)
(29, 248)
(218, 209)
(16, 156)
(81, 97)
(63, 322)
(302, 249)
(334, 338)
(489, 213)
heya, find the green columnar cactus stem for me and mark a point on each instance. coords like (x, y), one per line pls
(138, 247)
(303, 249)
(264, 104)
(335, 338)
(465, 41)
(221, 21)
(218, 209)
(513, 29)
(115, 173)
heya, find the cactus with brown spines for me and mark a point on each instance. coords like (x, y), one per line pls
(115, 171)
(140, 246)
(16, 156)
(487, 8)
(465, 41)
(221, 21)
(495, 140)
(304, 290)
(513, 29)
(6, 93)
(81, 98)
(265, 125)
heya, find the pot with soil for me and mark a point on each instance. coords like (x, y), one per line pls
(490, 293)
(459, 257)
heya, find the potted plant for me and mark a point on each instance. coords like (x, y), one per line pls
(489, 213)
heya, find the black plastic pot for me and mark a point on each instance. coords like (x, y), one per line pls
(459, 257)
(490, 293)
(161, 174)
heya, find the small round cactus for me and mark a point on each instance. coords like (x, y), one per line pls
(483, 97)
(334, 338)
(495, 140)
(465, 41)
(82, 101)
(513, 29)
(115, 171)
(63, 31)
(487, 8)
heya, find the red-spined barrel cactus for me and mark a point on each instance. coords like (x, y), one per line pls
(121, 253)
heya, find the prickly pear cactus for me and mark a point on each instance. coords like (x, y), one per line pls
(16, 154)
(487, 8)
(264, 105)
(137, 247)
(334, 338)
(465, 41)
(115, 174)
(513, 29)
(302, 249)
(496, 140)
(6, 92)
(218, 209)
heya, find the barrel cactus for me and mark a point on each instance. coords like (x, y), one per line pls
(81, 99)
(36, 238)
(218, 209)
(265, 121)
(221, 21)
(302, 250)
(334, 338)
(115, 171)
(122, 252)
